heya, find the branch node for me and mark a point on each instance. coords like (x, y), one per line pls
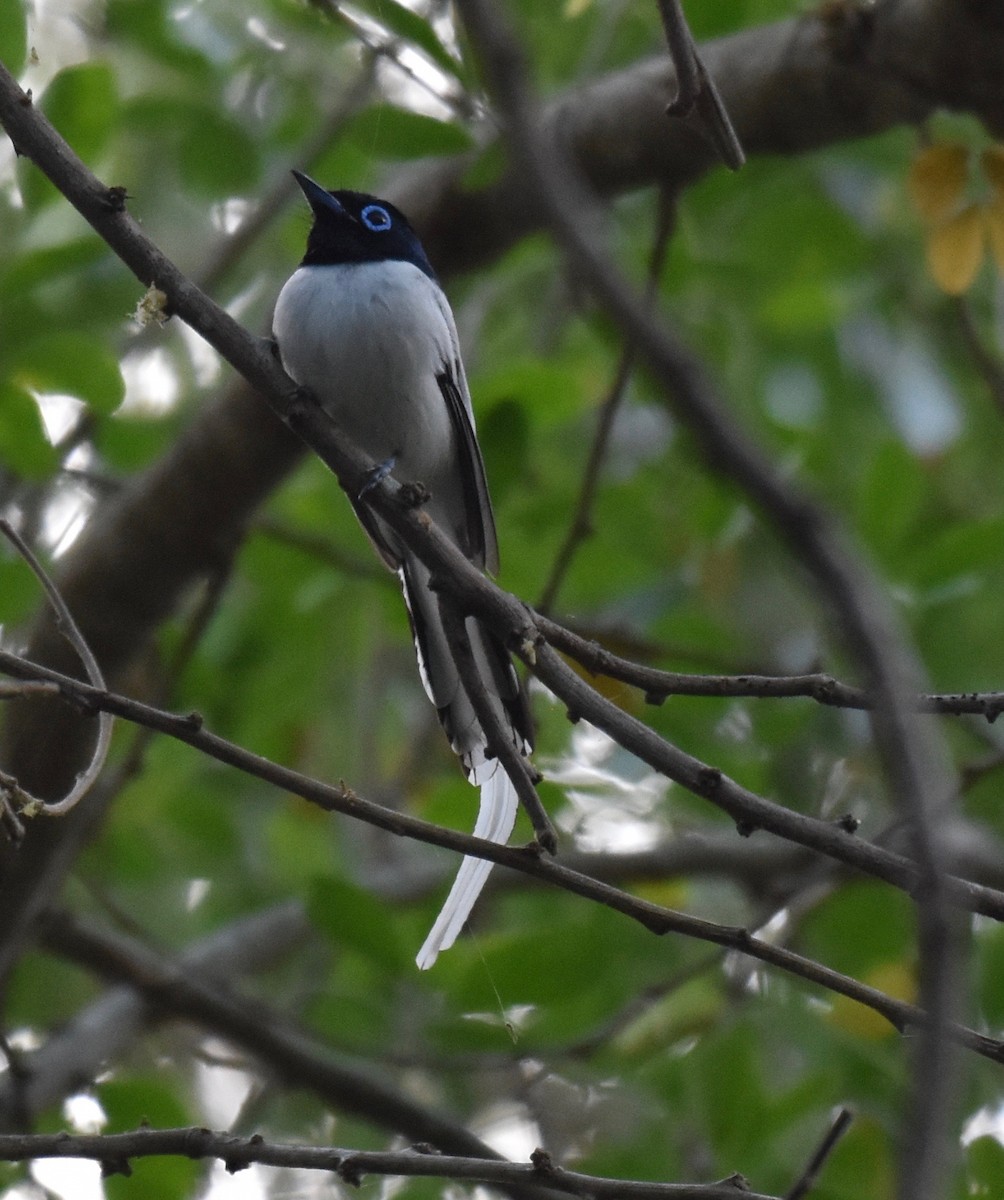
(547, 840)
(115, 198)
(542, 1162)
(709, 781)
(350, 1171)
(196, 1141)
(735, 1180)
(414, 494)
(115, 1166)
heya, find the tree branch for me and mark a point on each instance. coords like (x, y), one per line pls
(654, 917)
(114, 1150)
(287, 1052)
(32, 805)
(103, 1030)
(914, 760)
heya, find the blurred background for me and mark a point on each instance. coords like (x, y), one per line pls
(844, 291)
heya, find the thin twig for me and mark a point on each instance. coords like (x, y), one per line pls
(683, 52)
(749, 810)
(457, 99)
(654, 917)
(290, 1053)
(114, 1150)
(581, 526)
(658, 685)
(234, 248)
(695, 89)
(18, 691)
(31, 805)
(841, 1123)
(914, 759)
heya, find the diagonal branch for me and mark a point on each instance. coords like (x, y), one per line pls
(695, 89)
(285, 1050)
(104, 1030)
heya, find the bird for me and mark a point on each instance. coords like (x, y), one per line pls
(363, 326)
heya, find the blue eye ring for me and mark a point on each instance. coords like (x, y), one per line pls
(376, 217)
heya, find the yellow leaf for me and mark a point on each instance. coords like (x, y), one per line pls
(937, 180)
(896, 979)
(670, 893)
(992, 162)
(994, 215)
(955, 250)
(626, 697)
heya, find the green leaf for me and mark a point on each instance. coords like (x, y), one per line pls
(130, 442)
(505, 438)
(957, 550)
(985, 1166)
(23, 445)
(51, 262)
(153, 28)
(13, 35)
(45, 990)
(147, 1100)
(391, 132)
(72, 364)
(217, 156)
(891, 496)
(548, 391)
(487, 168)
(82, 103)
(141, 1099)
(990, 991)
(19, 594)
(882, 921)
(354, 918)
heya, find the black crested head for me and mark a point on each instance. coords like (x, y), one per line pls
(353, 227)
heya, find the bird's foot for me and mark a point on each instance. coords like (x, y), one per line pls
(377, 475)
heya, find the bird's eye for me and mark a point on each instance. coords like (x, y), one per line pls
(375, 217)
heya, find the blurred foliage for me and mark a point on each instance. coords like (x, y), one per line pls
(803, 282)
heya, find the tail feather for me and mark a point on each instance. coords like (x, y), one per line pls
(496, 818)
(499, 803)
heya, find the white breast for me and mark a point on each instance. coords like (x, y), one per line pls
(369, 339)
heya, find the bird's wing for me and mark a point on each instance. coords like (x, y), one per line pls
(483, 546)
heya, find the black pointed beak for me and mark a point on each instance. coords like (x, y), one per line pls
(320, 199)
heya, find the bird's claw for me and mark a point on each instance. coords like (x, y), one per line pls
(377, 475)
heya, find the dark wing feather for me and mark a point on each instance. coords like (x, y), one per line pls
(482, 544)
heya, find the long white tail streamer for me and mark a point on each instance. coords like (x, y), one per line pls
(496, 818)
